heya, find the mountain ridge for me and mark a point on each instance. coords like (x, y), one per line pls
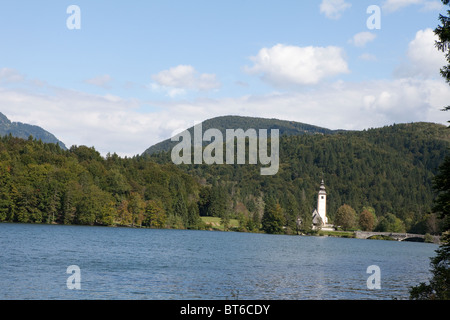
(222, 123)
(24, 131)
(389, 170)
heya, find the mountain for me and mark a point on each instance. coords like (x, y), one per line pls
(237, 122)
(23, 130)
(386, 171)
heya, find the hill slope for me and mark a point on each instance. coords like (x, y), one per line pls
(237, 122)
(389, 169)
(23, 130)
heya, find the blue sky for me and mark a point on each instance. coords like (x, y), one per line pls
(136, 71)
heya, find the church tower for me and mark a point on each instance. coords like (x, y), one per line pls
(322, 203)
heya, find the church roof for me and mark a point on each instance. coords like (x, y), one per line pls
(322, 188)
(316, 218)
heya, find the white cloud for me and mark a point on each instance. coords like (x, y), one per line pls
(362, 38)
(179, 79)
(352, 106)
(284, 66)
(113, 124)
(424, 59)
(333, 9)
(102, 81)
(9, 75)
(110, 123)
(394, 5)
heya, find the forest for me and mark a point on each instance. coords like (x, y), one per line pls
(42, 183)
(376, 179)
(385, 171)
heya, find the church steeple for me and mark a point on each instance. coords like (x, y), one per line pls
(322, 188)
(322, 203)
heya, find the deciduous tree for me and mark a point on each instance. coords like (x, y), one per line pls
(345, 217)
(366, 220)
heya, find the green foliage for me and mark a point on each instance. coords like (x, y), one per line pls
(385, 170)
(442, 187)
(390, 223)
(439, 286)
(228, 122)
(443, 32)
(273, 219)
(155, 215)
(345, 217)
(42, 183)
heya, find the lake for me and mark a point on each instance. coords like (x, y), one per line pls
(125, 263)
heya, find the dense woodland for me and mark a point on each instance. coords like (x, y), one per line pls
(385, 171)
(41, 183)
(287, 128)
(383, 177)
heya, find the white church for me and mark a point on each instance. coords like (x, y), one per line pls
(320, 220)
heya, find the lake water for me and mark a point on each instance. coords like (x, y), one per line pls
(121, 263)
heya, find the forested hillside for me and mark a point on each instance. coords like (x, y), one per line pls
(287, 128)
(387, 171)
(41, 183)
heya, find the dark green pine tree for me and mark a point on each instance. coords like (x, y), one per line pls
(5, 198)
(180, 209)
(273, 219)
(443, 44)
(439, 286)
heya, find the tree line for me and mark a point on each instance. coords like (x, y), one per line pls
(384, 175)
(42, 183)
(386, 171)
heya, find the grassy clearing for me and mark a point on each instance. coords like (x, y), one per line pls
(215, 223)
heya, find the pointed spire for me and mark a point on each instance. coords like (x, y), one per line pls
(322, 188)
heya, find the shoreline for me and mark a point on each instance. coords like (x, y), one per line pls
(317, 233)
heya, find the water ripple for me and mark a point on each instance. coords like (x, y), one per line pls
(120, 263)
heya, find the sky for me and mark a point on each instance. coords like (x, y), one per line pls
(121, 76)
